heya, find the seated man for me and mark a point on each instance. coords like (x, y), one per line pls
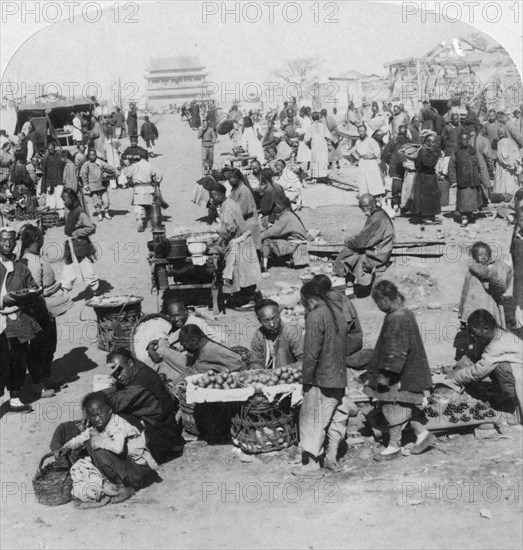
(370, 249)
(501, 360)
(290, 182)
(139, 392)
(275, 344)
(286, 237)
(205, 354)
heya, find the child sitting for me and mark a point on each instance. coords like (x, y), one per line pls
(482, 288)
(117, 449)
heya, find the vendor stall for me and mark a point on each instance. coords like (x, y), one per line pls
(186, 263)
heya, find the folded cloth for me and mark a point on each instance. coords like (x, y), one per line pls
(89, 485)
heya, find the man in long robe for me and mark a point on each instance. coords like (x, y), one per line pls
(241, 194)
(464, 171)
(367, 151)
(287, 236)
(370, 249)
(242, 271)
(508, 163)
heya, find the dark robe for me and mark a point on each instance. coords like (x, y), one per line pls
(52, 171)
(147, 399)
(196, 120)
(132, 123)
(464, 171)
(426, 196)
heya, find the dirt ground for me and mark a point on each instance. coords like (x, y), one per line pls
(465, 493)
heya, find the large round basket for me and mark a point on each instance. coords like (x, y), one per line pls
(116, 316)
(52, 484)
(225, 126)
(262, 427)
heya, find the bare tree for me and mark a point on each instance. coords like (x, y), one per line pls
(301, 72)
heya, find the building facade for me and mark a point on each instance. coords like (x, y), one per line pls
(174, 80)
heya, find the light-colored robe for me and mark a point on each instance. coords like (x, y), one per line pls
(241, 260)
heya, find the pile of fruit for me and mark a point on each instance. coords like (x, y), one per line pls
(217, 380)
(251, 378)
(21, 214)
(258, 379)
(462, 412)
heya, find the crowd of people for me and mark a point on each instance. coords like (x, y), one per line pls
(131, 427)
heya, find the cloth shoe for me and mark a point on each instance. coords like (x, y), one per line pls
(100, 217)
(108, 216)
(311, 470)
(390, 453)
(16, 406)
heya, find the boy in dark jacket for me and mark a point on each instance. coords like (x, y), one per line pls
(398, 374)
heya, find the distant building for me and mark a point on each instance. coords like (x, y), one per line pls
(174, 80)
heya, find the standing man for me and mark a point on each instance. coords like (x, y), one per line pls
(208, 137)
(149, 133)
(145, 177)
(119, 121)
(464, 171)
(92, 174)
(17, 327)
(132, 120)
(53, 179)
(78, 136)
(242, 270)
(450, 139)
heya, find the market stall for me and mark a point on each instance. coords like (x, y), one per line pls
(186, 263)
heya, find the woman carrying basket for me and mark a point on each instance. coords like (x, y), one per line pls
(79, 251)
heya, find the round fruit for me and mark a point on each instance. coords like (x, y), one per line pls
(209, 372)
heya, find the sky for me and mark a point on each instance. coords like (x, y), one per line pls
(362, 36)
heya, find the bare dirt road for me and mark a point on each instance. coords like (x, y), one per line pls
(466, 493)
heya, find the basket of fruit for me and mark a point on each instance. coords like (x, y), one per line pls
(458, 414)
(262, 426)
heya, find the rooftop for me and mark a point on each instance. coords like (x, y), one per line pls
(175, 63)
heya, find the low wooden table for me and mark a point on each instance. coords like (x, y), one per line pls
(181, 271)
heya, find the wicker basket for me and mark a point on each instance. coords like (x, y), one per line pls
(116, 317)
(262, 427)
(52, 484)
